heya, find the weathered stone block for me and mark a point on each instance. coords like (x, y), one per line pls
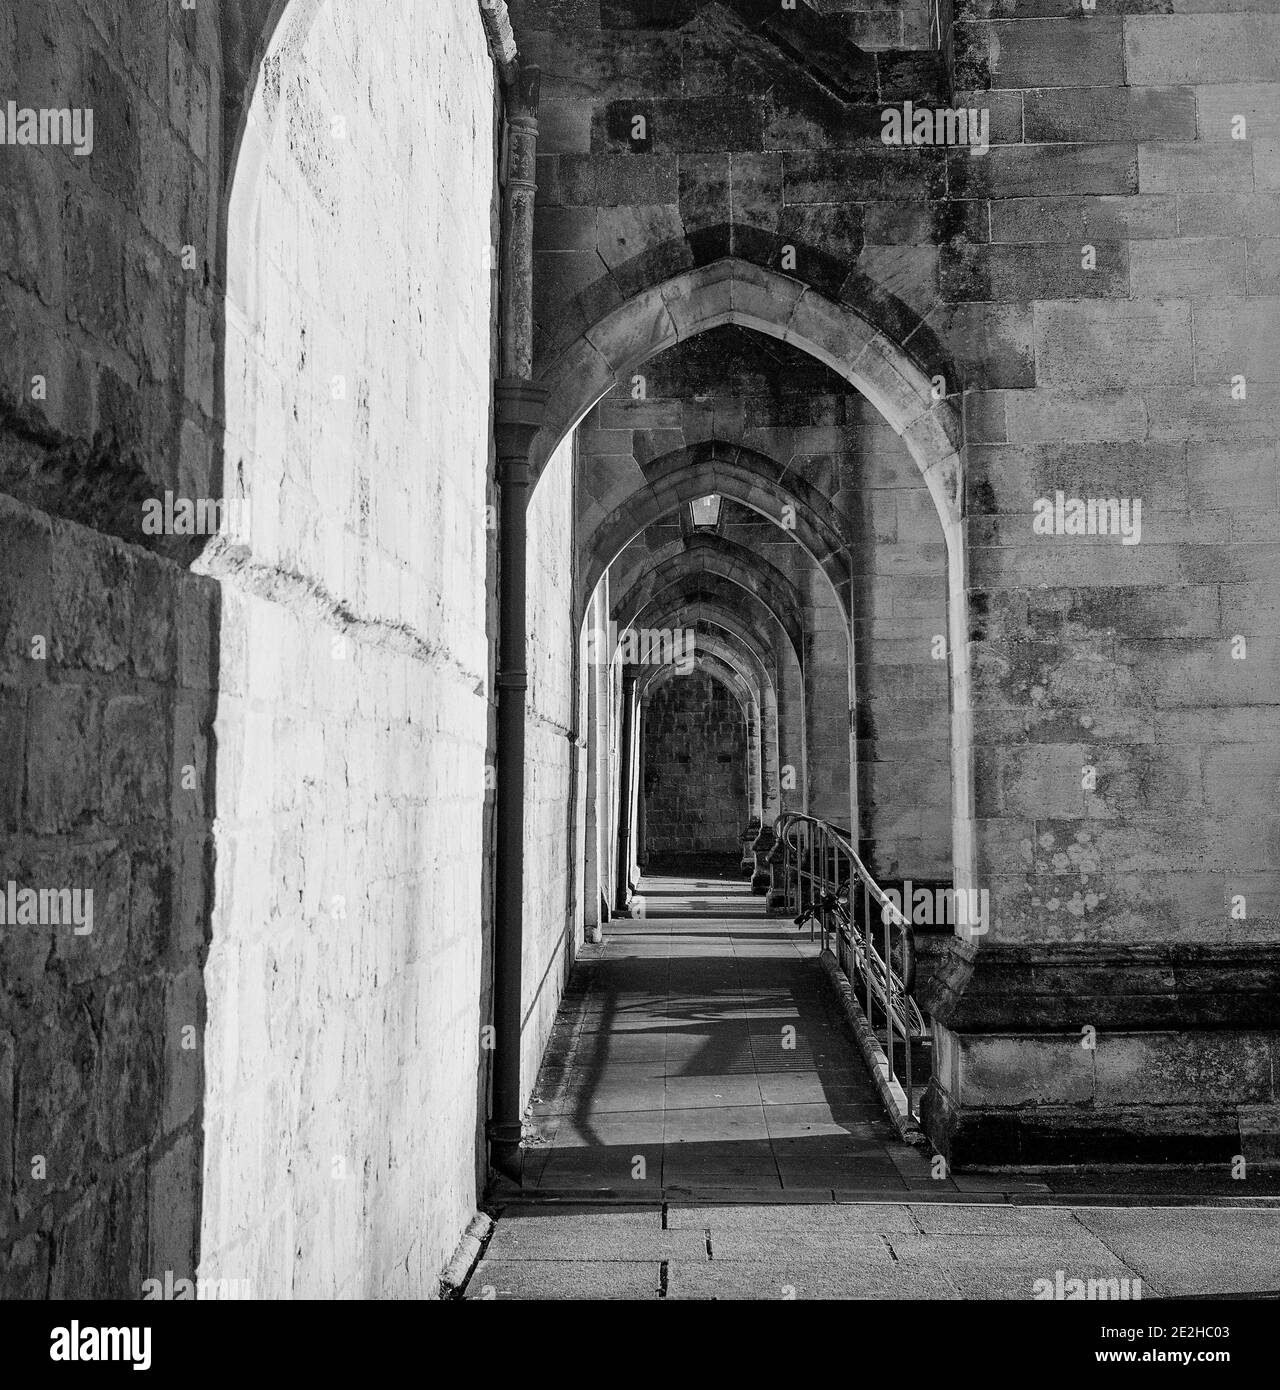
(1021, 273)
(875, 173)
(1008, 478)
(1113, 345)
(26, 608)
(1266, 162)
(1167, 168)
(1190, 268)
(564, 127)
(1110, 113)
(1083, 219)
(1232, 475)
(104, 869)
(1262, 274)
(102, 1242)
(642, 245)
(1201, 48)
(30, 225)
(64, 733)
(1219, 106)
(6, 1151)
(1240, 338)
(565, 229)
(135, 759)
(1166, 1069)
(616, 180)
(1022, 1070)
(1014, 171)
(581, 64)
(1212, 413)
(93, 592)
(173, 1193)
(1077, 52)
(55, 1074)
(1062, 415)
(183, 1048)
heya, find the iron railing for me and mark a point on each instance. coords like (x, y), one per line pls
(820, 878)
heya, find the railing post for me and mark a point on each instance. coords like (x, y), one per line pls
(787, 867)
(888, 993)
(866, 947)
(792, 873)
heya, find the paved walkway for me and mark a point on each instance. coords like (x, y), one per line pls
(876, 1250)
(704, 1128)
(695, 1053)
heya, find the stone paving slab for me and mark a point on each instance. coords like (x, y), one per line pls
(880, 1250)
(1179, 1251)
(603, 1235)
(562, 1280)
(801, 1281)
(980, 1220)
(767, 1222)
(700, 1040)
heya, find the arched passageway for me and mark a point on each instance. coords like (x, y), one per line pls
(764, 558)
(699, 750)
(606, 359)
(349, 776)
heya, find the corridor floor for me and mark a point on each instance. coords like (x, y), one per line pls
(682, 1148)
(695, 1054)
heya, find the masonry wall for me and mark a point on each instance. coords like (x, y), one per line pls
(552, 917)
(1128, 705)
(100, 1064)
(597, 713)
(106, 393)
(1092, 294)
(344, 976)
(1122, 655)
(695, 767)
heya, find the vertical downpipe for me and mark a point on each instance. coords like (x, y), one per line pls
(518, 410)
(626, 789)
(639, 822)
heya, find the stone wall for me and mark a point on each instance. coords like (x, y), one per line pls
(596, 714)
(107, 399)
(345, 969)
(1128, 717)
(342, 633)
(695, 768)
(106, 657)
(1122, 655)
(553, 920)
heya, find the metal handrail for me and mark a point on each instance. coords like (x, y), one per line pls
(814, 855)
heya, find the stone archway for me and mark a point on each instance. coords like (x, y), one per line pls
(733, 291)
(749, 625)
(758, 682)
(738, 292)
(705, 775)
(742, 475)
(715, 578)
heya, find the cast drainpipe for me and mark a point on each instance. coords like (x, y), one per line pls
(626, 789)
(518, 412)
